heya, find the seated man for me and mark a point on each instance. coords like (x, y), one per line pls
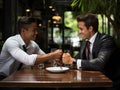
(100, 54)
(22, 49)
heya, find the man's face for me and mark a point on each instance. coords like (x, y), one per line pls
(31, 32)
(85, 33)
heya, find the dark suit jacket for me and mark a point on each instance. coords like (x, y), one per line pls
(104, 54)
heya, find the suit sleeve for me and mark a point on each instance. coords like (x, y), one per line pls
(104, 50)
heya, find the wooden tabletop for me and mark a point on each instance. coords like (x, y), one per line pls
(69, 79)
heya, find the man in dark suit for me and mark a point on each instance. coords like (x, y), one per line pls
(101, 54)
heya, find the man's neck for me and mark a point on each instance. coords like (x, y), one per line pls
(25, 40)
(92, 34)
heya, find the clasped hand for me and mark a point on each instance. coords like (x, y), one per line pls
(65, 59)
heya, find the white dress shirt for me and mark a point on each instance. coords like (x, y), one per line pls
(91, 40)
(12, 54)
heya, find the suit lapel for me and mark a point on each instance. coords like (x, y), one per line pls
(95, 44)
(82, 50)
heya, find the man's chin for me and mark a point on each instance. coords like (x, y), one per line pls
(83, 39)
(33, 39)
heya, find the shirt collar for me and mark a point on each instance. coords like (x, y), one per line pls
(92, 39)
(22, 41)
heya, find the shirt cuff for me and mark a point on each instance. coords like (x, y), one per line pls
(78, 63)
(32, 59)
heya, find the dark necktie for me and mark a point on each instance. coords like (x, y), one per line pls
(24, 48)
(20, 66)
(88, 50)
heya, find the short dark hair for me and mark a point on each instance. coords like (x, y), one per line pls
(90, 20)
(24, 22)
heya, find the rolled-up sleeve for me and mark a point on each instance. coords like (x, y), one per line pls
(18, 54)
(23, 57)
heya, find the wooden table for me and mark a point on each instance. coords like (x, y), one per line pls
(69, 79)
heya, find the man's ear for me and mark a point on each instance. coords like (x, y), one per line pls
(91, 28)
(23, 30)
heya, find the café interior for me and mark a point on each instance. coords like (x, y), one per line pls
(50, 15)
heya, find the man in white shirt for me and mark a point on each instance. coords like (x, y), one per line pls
(22, 48)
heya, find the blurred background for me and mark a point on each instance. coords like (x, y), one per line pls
(56, 20)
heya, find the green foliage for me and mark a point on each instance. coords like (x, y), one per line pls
(94, 6)
(109, 8)
(70, 22)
